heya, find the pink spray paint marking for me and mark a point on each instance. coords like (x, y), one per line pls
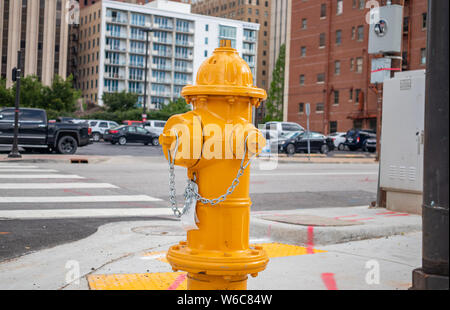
(339, 217)
(310, 244)
(177, 282)
(329, 281)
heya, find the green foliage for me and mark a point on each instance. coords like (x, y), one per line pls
(174, 107)
(122, 101)
(274, 103)
(58, 100)
(6, 96)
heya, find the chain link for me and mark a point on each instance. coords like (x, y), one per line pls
(191, 192)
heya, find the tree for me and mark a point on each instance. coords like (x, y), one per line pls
(274, 103)
(122, 101)
(61, 96)
(6, 96)
(176, 106)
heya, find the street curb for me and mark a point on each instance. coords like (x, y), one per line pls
(318, 235)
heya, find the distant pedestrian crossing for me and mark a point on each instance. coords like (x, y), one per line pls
(28, 191)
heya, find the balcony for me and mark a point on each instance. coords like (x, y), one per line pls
(184, 43)
(137, 51)
(161, 81)
(117, 20)
(162, 40)
(137, 64)
(162, 67)
(115, 34)
(115, 48)
(113, 75)
(184, 56)
(182, 82)
(117, 62)
(136, 78)
(161, 93)
(185, 30)
(183, 69)
(162, 53)
(141, 37)
(163, 27)
(145, 25)
(249, 39)
(251, 51)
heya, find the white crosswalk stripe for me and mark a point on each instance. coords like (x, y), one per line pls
(59, 206)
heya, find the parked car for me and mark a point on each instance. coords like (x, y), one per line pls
(155, 126)
(297, 142)
(370, 145)
(99, 127)
(134, 134)
(129, 123)
(339, 139)
(36, 133)
(356, 138)
(282, 128)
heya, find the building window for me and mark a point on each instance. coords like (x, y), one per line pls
(337, 67)
(333, 126)
(359, 65)
(357, 95)
(320, 107)
(206, 27)
(206, 53)
(352, 64)
(360, 33)
(338, 37)
(423, 56)
(301, 108)
(302, 79)
(323, 10)
(321, 78)
(304, 23)
(303, 51)
(350, 95)
(336, 97)
(340, 7)
(362, 4)
(424, 21)
(322, 40)
(353, 33)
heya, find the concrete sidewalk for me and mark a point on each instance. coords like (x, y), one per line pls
(133, 253)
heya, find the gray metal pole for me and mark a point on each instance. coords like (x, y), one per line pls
(15, 146)
(434, 272)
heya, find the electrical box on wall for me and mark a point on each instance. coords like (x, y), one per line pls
(385, 33)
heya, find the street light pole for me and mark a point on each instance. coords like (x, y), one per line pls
(144, 112)
(16, 77)
(434, 271)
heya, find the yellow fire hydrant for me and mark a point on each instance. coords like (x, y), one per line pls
(215, 142)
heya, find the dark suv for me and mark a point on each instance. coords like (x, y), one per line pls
(35, 132)
(356, 138)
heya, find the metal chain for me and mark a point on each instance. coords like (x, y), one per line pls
(191, 192)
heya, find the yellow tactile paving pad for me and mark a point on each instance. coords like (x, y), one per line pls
(138, 281)
(177, 280)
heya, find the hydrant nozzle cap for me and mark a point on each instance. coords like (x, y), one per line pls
(225, 73)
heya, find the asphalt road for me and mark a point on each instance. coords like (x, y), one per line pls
(67, 202)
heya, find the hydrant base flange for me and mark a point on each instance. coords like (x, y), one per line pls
(251, 261)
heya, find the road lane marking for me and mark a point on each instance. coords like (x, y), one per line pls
(314, 173)
(26, 170)
(76, 199)
(17, 166)
(82, 213)
(55, 185)
(40, 176)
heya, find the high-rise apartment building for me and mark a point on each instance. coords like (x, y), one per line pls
(39, 29)
(330, 67)
(112, 48)
(256, 11)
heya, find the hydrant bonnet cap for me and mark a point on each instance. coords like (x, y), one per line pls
(224, 73)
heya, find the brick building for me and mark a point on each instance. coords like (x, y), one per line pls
(329, 65)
